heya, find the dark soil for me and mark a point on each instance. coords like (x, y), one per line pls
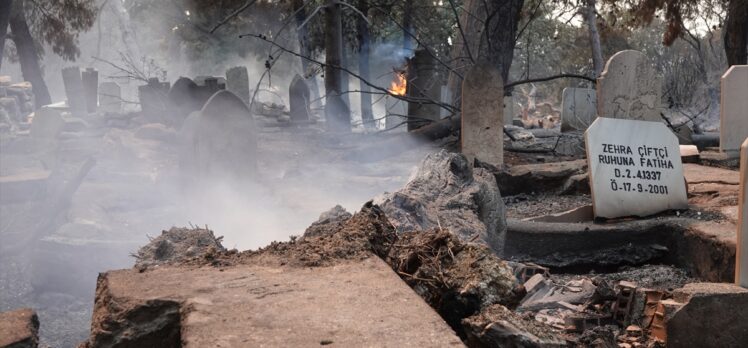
(524, 206)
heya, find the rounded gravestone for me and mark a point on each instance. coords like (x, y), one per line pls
(629, 88)
(224, 142)
(298, 95)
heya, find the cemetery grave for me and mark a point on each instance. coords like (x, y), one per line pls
(238, 207)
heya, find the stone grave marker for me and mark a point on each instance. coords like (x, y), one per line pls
(424, 83)
(237, 82)
(76, 97)
(153, 99)
(110, 97)
(46, 124)
(298, 96)
(446, 98)
(635, 168)
(482, 134)
(90, 79)
(395, 114)
(741, 246)
(225, 143)
(629, 88)
(184, 97)
(578, 108)
(733, 108)
(509, 109)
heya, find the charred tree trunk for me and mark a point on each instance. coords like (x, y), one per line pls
(408, 27)
(597, 52)
(494, 40)
(304, 47)
(27, 55)
(336, 112)
(499, 35)
(736, 32)
(465, 45)
(5, 6)
(364, 37)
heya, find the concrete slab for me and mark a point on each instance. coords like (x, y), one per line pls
(352, 304)
(19, 329)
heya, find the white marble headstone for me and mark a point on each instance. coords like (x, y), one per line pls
(578, 108)
(635, 168)
(733, 108)
(629, 88)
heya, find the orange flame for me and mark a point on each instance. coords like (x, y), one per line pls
(399, 85)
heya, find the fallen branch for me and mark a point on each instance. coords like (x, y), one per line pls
(548, 78)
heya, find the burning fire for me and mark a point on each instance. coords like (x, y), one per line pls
(399, 85)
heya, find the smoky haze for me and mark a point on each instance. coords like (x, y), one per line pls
(136, 187)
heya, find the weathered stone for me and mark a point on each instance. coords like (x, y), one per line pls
(684, 134)
(635, 168)
(733, 128)
(76, 95)
(237, 82)
(741, 254)
(10, 105)
(396, 117)
(5, 80)
(629, 88)
(578, 108)
(298, 97)
(424, 83)
(448, 192)
(225, 143)
(153, 97)
(19, 329)
(110, 97)
(713, 316)
(482, 133)
(509, 109)
(499, 327)
(328, 222)
(46, 124)
(258, 305)
(185, 96)
(90, 79)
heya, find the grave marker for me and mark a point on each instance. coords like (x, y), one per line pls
(733, 108)
(635, 168)
(741, 254)
(90, 79)
(225, 141)
(509, 112)
(237, 82)
(71, 78)
(482, 134)
(46, 124)
(298, 96)
(629, 88)
(110, 97)
(578, 108)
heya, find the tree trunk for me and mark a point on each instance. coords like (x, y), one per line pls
(5, 6)
(464, 49)
(336, 112)
(27, 55)
(736, 32)
(499, 34)
(126, 30)
(304, 47)
(408, 27)
(367, 116)
(597, 53)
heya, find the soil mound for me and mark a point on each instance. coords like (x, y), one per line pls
(178, 245)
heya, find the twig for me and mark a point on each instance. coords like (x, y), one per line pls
(232, 15)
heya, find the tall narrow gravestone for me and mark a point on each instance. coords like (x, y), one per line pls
(733, 128)
(629, 88)
(298, 97)
(482, 120)
(424, 86)
(635, 168)
(741, 255)
(71, 78)
(578, 108)
(90, 79)
(237, 82)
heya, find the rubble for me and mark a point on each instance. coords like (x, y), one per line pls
(447, 192)
(497, 326)
(178, 245)
(328, 222)
(19, 329)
